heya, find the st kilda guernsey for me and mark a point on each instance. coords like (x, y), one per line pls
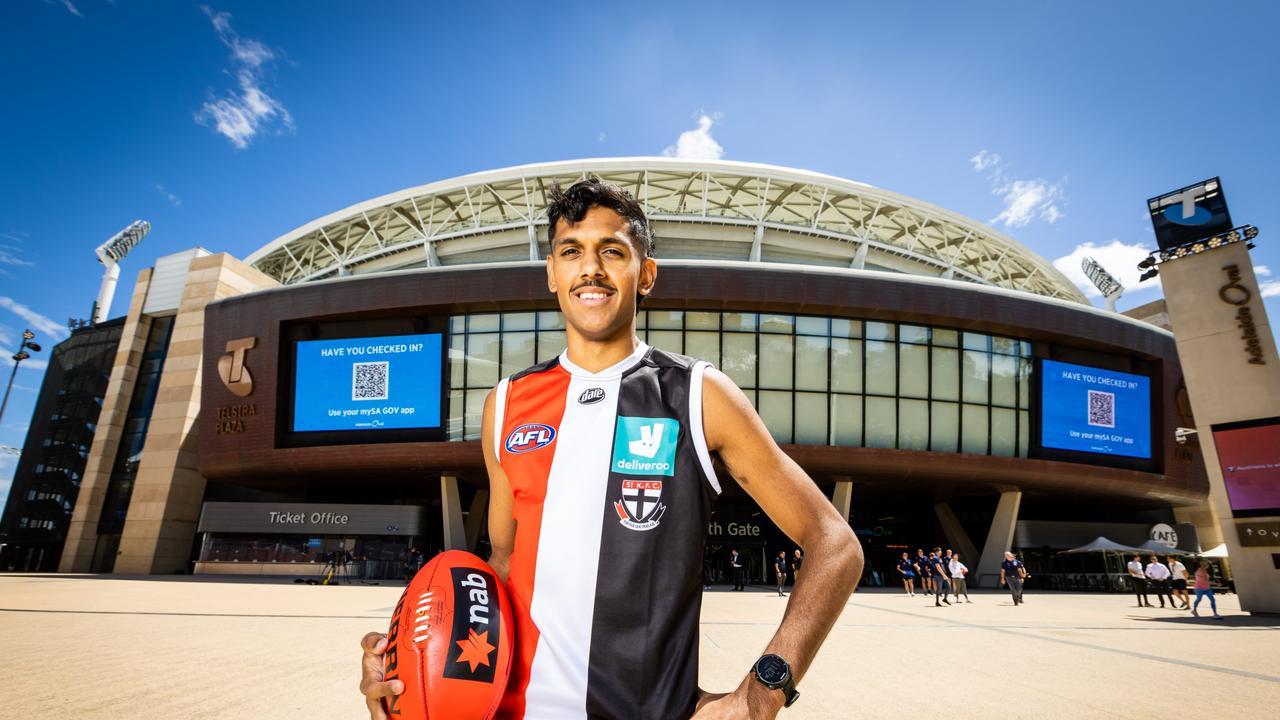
(613, 488)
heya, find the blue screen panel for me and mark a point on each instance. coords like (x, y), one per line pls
(373, 383)
(1093, 410)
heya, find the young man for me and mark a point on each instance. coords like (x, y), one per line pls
(941, 580)
(1013, 572)
(735, 564)
(780, 570)
(924, 569)
(1179, 581)
(599, 531)
(1138, 577)
(1158, 573)
(958, 570)
(907, 570)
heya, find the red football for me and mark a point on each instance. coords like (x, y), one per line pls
(450, 641)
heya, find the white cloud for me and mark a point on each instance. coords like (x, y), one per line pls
(44, 326)
(984, 160)
(70, 6)
(697, 144)
(1262, 271)
(241, 114)
(1117, 258)
(1270, 289)
(174, 199)
(28, 364)
(600, 137)
(1024, 200)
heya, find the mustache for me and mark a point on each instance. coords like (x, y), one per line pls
(595, 284)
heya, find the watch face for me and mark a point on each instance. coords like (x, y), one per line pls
(772, 669)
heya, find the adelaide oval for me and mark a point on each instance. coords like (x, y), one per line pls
(940, 381)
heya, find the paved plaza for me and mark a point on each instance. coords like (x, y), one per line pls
(110, 647)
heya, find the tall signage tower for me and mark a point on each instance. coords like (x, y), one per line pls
(1229, 360)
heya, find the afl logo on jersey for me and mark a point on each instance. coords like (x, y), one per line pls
(590, 396)
(530, 437)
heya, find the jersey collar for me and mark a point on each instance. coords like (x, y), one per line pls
(612, 371)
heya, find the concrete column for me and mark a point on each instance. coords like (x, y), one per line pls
(957, 538)
(476, 518)
(82, 534)
(455, 532)
(756, 241)
(999, 539)
(842, 497)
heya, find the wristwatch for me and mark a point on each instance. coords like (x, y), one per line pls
(775, 673)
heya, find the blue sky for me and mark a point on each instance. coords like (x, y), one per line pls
(230, 124)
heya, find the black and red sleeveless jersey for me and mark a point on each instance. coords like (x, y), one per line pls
(613, 488)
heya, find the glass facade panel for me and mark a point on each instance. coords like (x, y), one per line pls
(739, 360)
(813, 379)
(811, 418)
(487, 322)
(777, 323)
(482, 359)
(913, 371)
(915, 334)
(944, 427)
(669, 340)
(813, 326)
(775, 410)
(1004, 380)
(517, 352)
(704, 346)
(946, 374)
(977, 369)
(846, 365)
(702, 321)
(842, 327)
(882, 371)
(811, 363)
(1004, 432)
(550, 344)
(666, 319)
(776, 358)
(973, 438)
(519, 321)
(882, 422)
(913, 425)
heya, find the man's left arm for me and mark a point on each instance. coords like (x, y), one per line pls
(795, 504)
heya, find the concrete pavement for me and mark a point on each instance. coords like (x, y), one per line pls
(109, 647)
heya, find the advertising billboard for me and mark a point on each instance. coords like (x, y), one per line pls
(1250, 457)
(1091, 410)
(368, 383)
(1192, 213)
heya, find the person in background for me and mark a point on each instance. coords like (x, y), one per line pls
(1158, 573)
(739, 574)
(780, 569)
(941, 581)
(1179, 572)
(925, 570)
(1138, 577)
(1013, 572)
(796, 562)
(1203, 588)
(958, 571)
(906, 569)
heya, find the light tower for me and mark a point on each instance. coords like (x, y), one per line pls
(110, 253)
(1110, 288)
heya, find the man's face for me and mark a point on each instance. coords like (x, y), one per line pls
(596, 271)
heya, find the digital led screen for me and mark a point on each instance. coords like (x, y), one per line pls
(370, 383)
(1250, 459)
(1087, 409)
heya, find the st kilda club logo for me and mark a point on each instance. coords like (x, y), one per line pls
(476, 626)
(640, 507)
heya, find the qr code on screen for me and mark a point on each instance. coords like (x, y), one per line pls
(369, 380)
(1102, 409)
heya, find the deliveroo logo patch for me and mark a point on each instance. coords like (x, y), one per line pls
(645, 446)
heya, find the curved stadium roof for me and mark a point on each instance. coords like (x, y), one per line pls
(700, 209)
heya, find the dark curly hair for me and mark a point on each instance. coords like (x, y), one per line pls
(572, 205)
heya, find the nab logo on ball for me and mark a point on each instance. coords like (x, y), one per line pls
(530, 437)
(476, 626)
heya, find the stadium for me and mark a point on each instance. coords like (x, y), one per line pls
(940, 381)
